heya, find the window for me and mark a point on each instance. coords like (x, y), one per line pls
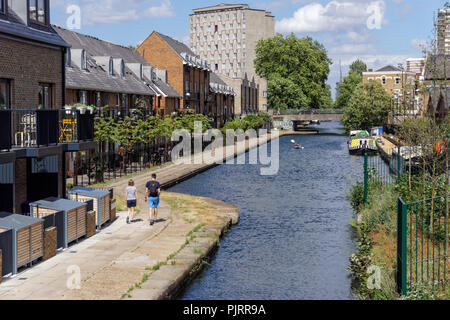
(118, 99)
(3, 6)
(5, 94)
(216, 67)
(397, 81)
(67, 57)
(98, 99)
(383, 80)
(37, 11)
(216, 28)
(83, 60)
(83, 97)
(111, 67)
(265, 94)
(46, 96)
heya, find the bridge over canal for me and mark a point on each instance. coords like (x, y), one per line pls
(309, 115)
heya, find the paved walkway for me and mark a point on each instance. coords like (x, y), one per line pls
(121, 255)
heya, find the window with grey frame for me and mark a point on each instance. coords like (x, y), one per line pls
(46, 96)
(5, 94)
(3, 7)
(37, 11)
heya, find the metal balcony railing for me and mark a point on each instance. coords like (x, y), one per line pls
(32, 128)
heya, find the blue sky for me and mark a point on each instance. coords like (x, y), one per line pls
(379, 32)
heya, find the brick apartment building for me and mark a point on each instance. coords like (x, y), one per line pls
(102, 74)
(32, 87)
(187, 74)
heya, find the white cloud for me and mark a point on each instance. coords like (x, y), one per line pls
(363, 48)
(335, 16)
(419, 44)
(118, 11)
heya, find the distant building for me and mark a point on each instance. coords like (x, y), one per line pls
(403, 86)
(226, 36)
(391, 78)
(443, 31)
(416, 65)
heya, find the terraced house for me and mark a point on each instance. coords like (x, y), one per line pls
(32, 90)
(101, 73)
(187, 74)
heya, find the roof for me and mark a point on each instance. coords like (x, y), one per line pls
(388, 68)
(16, 221)
(98, 79)
(176, 46)
(437, 67)
(188, 56)
(58, 204)
(214, 78)
(12, 24)
(89, 192)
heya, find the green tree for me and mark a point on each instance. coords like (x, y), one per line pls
(359, 67)
(346, 88)
(369, 107)
(284, 94)
(303, 61)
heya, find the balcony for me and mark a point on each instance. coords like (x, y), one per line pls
(31, 128)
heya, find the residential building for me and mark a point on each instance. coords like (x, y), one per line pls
(402, 85)
(443, 31)
(226, 36)
(32, 89)
(221, 102)
(189, 75)
(416, 65)
(246, 91)
(102, 74)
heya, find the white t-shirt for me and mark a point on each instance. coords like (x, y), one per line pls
(131, 193)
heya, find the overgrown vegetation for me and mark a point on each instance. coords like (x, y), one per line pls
(251, 121)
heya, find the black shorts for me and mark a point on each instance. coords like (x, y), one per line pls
(131, 203)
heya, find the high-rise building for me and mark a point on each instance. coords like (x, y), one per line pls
(226, 36)
(443, 31)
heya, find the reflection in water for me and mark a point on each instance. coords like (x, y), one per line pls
(294, 239)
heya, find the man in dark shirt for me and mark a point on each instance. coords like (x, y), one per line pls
(152, 192)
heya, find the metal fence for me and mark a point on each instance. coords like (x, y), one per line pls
(422, 244)
(383, 172)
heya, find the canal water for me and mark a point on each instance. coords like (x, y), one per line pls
(294, 240)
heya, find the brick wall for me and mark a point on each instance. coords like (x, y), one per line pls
(27, 66)
(161, 56)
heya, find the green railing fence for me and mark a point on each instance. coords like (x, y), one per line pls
(423, 244)
(376, 169)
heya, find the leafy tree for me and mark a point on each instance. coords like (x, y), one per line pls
(369, 107)
(346, 88)
(302, 61)
(358, 67)
(284, 94)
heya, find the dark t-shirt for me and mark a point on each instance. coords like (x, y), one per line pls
(153, 187)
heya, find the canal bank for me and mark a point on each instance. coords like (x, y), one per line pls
(294, 238)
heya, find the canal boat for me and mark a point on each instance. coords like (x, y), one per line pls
(360, 142)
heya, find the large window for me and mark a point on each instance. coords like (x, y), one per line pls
(5, 94)
(3, 6)
(46, 96)
(37, 11)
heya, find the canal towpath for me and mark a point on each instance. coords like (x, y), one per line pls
(135, 261)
